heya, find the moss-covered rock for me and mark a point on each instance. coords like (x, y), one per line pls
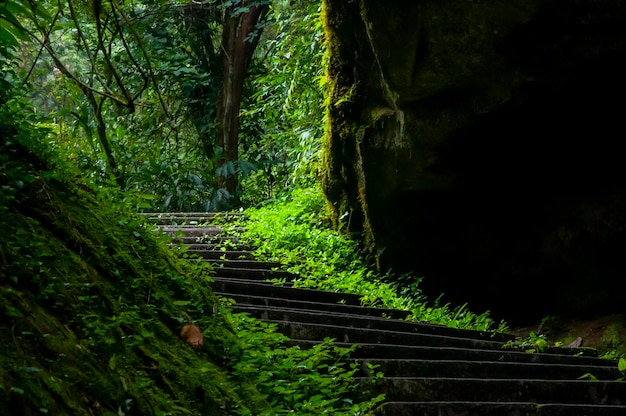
(92, 304)
(474, 143)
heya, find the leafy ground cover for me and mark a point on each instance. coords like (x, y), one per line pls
(296, 231)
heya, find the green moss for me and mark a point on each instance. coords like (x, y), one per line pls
(91, 304)
(614, 338)
(349, 120)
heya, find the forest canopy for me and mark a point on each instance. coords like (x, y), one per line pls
(176, 106)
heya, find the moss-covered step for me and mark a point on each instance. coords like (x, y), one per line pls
(243, 301)
(430, 389)
(496, 409)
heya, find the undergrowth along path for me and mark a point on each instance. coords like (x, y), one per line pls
(427, 369)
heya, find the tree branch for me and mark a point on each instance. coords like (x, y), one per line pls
(144, 76)
(41, 47)
(139, 41)
(90, 56)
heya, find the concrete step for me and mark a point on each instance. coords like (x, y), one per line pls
(253, 274)
(222, 285)
(424, 389)
(325, 317)
(367, 350)
(486, 369)
(208, 251)
(215, 255)
(245, 264)
(191, 230)
(444, 408)
(191, 218)
(322, 307)
(212, 242)
(312, 331)
(559, 409)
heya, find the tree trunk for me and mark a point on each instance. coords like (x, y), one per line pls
(238, 44)
(111, 167)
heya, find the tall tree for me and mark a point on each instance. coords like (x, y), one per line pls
(241, 33)
(201, 23)
(228, 61)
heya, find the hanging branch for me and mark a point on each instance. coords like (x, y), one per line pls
(130, 104)
(141, 46)
(46, 44)
(144, 76)
(41, 46)
(83, 39)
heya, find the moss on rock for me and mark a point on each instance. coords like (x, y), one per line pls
(463, 135)
(91, 306)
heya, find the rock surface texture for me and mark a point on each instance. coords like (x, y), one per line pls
(478, 144)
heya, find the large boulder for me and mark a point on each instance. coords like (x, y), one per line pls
(479, 144)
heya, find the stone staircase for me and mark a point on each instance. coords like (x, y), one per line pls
(429, 370)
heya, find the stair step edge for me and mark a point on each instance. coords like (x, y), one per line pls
(409, 327)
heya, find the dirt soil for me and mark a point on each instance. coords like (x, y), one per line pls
(607, 334)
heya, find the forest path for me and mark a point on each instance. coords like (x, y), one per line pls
(429, 370)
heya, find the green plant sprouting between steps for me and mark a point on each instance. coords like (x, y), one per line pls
(296, 232)
(621, 366)
(534, 343)
(314, 381)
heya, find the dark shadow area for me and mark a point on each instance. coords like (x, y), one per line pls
(535, 223)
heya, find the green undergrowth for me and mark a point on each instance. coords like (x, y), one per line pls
(296, 231)
(92, 303)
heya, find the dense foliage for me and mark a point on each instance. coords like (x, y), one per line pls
(92, 302)
(296, 231)
(133, 91)
(284, 117)
(109, 105)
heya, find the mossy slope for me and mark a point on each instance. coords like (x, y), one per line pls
(91, 304)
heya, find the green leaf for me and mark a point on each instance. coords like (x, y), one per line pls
(112, 362)
(16, 7)
(588, 376)
(7, 38)
(181, 302)
(247, 167)
(14, 26)
(621, 365)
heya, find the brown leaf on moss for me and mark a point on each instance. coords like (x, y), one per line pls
(192, 335)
